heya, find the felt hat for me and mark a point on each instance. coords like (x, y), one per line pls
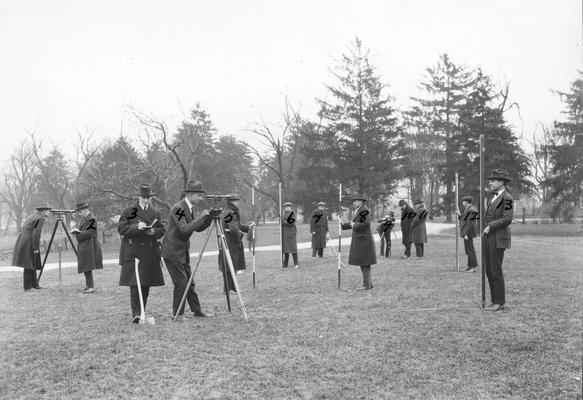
(145, 190)
(288, 204)
(469, 199)
(43, 207)
(499, 175)
(322, 204)
(358, 197)
(193, 187)
(402, 203)
(81, 206)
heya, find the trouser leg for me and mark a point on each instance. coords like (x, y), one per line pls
(135, 299)
(29, 279)
(89, 279)
(407, 249)
(285, 259)
(419, 249)
(366, 276)
(382, 245)
(295, 257)
(321, 252)
(314, 251)
(180, 274)
(494, 259)
(471, 253)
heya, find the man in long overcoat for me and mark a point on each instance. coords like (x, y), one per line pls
(418, 229)
(140, 226)
(362, 248)
(89, 255)
(468, 231)
(183, 221)
(27, 247)
(319, 229)
(234, 232)
(499, 214)
(289, 233)
(407, 215)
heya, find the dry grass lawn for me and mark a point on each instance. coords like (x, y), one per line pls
(420, 334)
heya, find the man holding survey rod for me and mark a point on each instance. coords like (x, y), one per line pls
(140, 226)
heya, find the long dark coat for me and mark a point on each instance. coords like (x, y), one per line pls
(407, 216)
(418, 230)
(499, 214)
(28, 241)
(234, 232)
(468, 222)
(318, 228)
(362, 248)
(181, 225)
(137, 244)
(289, 232)
(89, 255)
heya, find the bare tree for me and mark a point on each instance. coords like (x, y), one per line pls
(283, 148)
(19, 181)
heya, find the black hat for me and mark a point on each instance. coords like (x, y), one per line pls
(402, 203)
(469, 199)
(145, 190)
(233, 197)
(43, 207)
(359, 197)
(81, 206)
(499, 175)
(193, 187)
(289, 203)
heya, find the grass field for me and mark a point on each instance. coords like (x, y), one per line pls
(420, 334)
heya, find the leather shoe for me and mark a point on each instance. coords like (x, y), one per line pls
(494, 307)
(136, 319)
(200, 314)
(38, 287)
(364, 287)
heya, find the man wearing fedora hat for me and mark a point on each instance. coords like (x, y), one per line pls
(407, 215)
(468, 231)
(27, 247)
(89, 255)
(234, 232)
(288, 234)
(362, 248)
(184, 219)
(140, 226)
(319, 230)
(496, 234)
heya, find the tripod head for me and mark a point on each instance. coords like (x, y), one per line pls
(60, 214)
(216, 207)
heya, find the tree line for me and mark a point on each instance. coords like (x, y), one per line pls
(360, 139)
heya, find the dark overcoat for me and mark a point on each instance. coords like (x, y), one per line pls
(289, 232)
(468, 222)
(407, 216)
(136, 243)
(499, 214)
(318, 228)
(89, 255)
(181, 225)
(28, 241)
(234, 232)
(418, 229)
(362, 248)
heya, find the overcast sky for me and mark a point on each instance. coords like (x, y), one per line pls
(74, 66)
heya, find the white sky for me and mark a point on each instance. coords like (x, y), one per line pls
(73, 66)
